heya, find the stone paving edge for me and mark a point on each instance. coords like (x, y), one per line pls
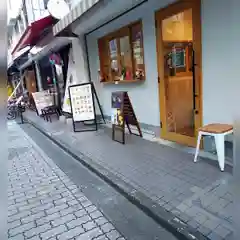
(166, 219)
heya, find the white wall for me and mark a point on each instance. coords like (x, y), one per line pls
(80, 62)
(220, 83)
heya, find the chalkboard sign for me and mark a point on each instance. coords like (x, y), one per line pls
(122, 113)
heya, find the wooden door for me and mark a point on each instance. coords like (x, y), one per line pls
(30, 82)
(178, 29)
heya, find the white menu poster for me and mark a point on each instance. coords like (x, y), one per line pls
(42, 99)
(82, 102)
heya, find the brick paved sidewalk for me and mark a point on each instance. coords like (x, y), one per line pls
(197, 193)
(43, 203)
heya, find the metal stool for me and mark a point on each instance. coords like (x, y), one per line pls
(218, 131)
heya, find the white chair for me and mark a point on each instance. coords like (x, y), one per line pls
(218, 131)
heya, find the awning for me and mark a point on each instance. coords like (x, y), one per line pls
(34, 32)
(82, 7)
(41, 50)
(18, 59)
(90, 15)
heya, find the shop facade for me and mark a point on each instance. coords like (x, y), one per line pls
(171, 99)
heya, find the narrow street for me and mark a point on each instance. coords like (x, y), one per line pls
(52, 196)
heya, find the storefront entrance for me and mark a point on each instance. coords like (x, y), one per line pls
(179, 67)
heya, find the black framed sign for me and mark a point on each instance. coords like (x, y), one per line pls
(122, 113)
(83, 105)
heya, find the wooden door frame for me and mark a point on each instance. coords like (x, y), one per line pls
(161, 14)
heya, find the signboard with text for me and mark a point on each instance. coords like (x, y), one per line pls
(81, 98)
(42, 99)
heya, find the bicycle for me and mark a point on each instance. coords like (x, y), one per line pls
(12, 111)
(15, 109)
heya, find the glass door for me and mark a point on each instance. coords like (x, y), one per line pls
(178, 81)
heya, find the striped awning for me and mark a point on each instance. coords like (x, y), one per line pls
(82, 7)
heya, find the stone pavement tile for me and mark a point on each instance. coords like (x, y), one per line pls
(89, 226)
(17, 237)
(56, 208)
(205, 231)
(14, 224)
(73, 209)
(72, 202)
(37, 230)
(63, 200)
(78, 221)
(12, 212)
(47, 219)
(35, 238)
(20, 229)
(200, 218)
(214, 236)
(113, 235)
(48, 207)
(53, 232)
(101, 221)
(70, 234)
(107, 227)
(222, 231)
(63, 220)
(103, 237)
(91, 209)
(20, 204)
(94, 233)
(211, 224)
(96, 214)
(194, 224)
(168, 207)
(48, 199)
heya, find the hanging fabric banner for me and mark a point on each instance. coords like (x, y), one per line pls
(71, 80)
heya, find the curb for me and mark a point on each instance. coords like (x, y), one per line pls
(166, 219)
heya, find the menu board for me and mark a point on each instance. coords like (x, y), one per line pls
(42, 99)
(122, 113)
(81, 97)
(117, 117)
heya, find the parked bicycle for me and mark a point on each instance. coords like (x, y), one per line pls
(12, 110)
(15, 109)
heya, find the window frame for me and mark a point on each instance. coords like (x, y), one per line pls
(104, 54)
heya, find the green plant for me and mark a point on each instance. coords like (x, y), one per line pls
(124, 70)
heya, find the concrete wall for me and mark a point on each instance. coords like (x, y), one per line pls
(80, 62)
(219, 83)
(220, 78)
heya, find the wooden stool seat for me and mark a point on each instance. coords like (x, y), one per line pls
(218, 131)
(216, 128)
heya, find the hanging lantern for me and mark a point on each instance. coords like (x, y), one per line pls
(55, 59)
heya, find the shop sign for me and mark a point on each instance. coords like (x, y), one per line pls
(42, 99)
(81, 98)
(122, 113)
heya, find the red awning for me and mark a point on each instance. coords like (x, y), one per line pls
(33, 32)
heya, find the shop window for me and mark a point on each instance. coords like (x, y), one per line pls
(121, 55)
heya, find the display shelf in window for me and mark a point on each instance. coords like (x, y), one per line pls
(121, 55)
